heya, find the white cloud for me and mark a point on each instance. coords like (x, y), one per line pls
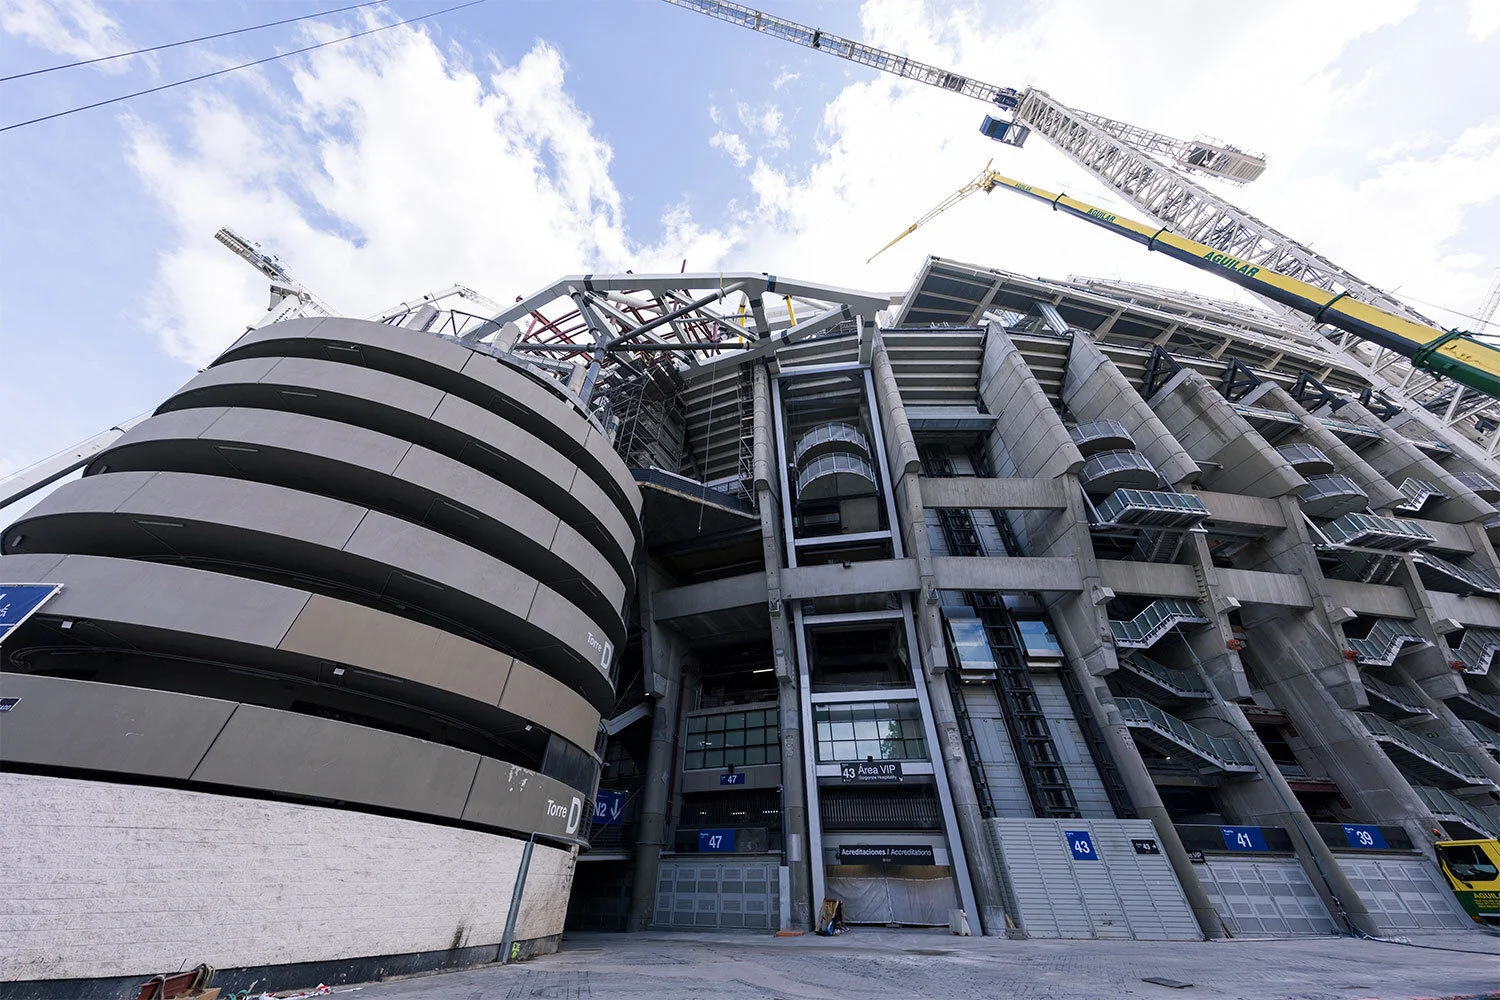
(80, 29)
(1484, 19)
(394, 168)
(784, 79)
(390, 170)
(732, 144)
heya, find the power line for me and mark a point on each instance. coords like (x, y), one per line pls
(231, 69)
(186, 41)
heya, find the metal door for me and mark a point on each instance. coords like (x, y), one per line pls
(1404, 893)
(694, 895)
(1265, 897)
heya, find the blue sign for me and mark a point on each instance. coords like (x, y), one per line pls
(715, 841)
(731, 779)
(19, 600)
(609, 808)
(1244, 838)
(1082, 845)
(1367, 837)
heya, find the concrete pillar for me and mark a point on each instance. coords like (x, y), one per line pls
(789, 709)
(1396, 458)
(984, 871)
(1382, 494)
(660, 655)
(1095, 389)
(1237, 458)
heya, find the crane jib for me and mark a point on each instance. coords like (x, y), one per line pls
(1452, 354)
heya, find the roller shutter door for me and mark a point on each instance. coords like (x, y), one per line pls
(1404, 893)
(693, 895)
(1264, 897)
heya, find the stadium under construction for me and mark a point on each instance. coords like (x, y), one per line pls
(1086, 609)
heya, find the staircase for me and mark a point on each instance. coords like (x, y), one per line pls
(1384, 642)
(1452, 764)
(1159, 617)
(1221, 752)
(1478, 649)
(1449, 807)
(1398, 696)
(1174, 683)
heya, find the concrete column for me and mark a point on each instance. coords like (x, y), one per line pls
(1095, 389)
(1239, 460)
(984, 872)
(660, 655)
(1382, 494)
(788, 704)
(1396, 458)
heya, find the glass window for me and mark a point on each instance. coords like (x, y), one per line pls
(1038, 639)
(884, 730)
(1468, 863)
(970, 644)
(715, 741)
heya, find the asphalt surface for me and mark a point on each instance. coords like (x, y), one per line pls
(903, 963)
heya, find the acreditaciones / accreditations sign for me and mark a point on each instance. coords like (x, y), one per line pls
(886, 854)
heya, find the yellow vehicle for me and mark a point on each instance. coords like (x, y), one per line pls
(1472, 868)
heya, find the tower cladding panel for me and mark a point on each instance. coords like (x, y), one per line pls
(335, 630)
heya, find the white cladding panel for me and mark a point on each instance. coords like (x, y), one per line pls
(1122, 894)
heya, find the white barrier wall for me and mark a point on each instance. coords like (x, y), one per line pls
(106, 880)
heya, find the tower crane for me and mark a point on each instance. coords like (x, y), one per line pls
(1151, 172)
(289, 299)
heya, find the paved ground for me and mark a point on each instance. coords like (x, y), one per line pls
(893, 964)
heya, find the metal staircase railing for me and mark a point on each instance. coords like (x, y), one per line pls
(1181, 683)
(1370, 531)
(1332, 495)
(1399, 696)
(1223, 752)
(1159, 617)
(1478, 649)
(1455, 764)
(1483, 486)
(1487, 737)
(1418, 492)
(1384, 642)
(1485, 702)
(1306, 456)
(1470, 580)
(1445, 805)
(1152, 508)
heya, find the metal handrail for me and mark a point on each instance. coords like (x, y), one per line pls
(1384, 641)
(1455, 764)
(1418, 492)
(1297, 454)
(828, 465)
(1472, 578)
(1479, 484)
(836, 431)
(1478, 649)
(1155, 504)
(1331, 485)
(1400, 695)
(1117, 460)
(1442, 803)
(1184, 682)
(1094, 430)
(1225, 751)
(1158, 618)
(1369, 530)
(1487, 737)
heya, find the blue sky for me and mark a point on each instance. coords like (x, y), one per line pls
(506, 144)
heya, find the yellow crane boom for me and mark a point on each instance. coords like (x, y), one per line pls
(1454, 354)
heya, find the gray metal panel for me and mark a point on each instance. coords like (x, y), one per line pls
(1121, 895)
(1264, 896)
(710, 895)
(105, 727)
(1072, 750)
(169, 598)
(305, 755)
(1404, 894)
(517, 798)
(548, 702)
(1001, 770)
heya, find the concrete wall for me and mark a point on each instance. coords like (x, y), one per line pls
(1094, 389)
(1236, 458)
(107, 880)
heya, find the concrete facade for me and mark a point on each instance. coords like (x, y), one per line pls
(336, 627)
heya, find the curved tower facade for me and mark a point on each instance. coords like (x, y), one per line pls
(335, 630)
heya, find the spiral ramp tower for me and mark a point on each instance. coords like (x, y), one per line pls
(336, 628)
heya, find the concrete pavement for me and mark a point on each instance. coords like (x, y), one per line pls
(904, 963)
